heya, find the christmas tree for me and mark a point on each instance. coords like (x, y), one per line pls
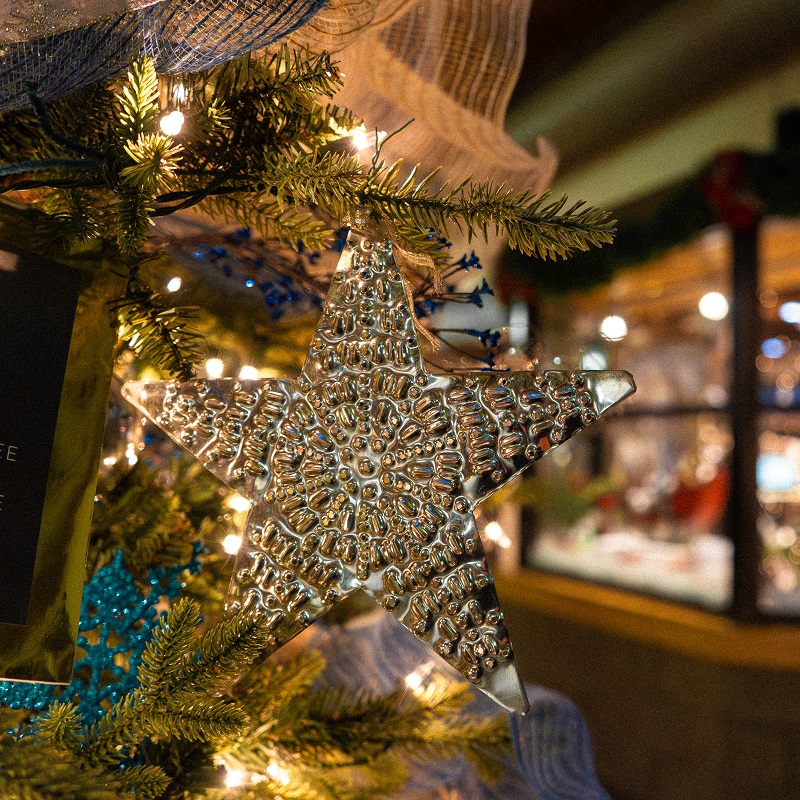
(170, 695)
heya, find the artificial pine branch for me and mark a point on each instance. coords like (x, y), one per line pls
(33, 770)
(138, 101)
(338, 731)
(179, 693)
(157, 332)
(148, 521)
(256, 136)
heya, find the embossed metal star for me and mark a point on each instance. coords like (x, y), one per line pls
(365, 472)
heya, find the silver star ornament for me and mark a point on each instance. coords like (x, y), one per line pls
(365, 472)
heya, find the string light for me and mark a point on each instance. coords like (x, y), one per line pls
(363, 140)
(415, 679)
(238, 503)
(171, 123)
(173, 284)
(109, 461)
(495, 533)
(278, 773)
(130, 454)
(235, 778)
(713, 306)
(248, 373)
(214, 367)
(231, 544)
(179, 92)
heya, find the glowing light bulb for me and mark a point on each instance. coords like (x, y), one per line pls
(234, 778)
(614, 328)
(494, 531)
(238, 503)
(110, 461)
(414, 681)
(248, 373)
(214, 367)
(173, 284)
(179, 92)
(713, 306)
(360, 139)
(231, 544)
(171, 123)
(278, 773)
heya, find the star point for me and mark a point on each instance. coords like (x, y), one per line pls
(365, 472)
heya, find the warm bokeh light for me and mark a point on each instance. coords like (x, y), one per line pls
(238, 503)
(231, 544)
(494, 531)
(613, 328)
(278, 773)
(248, 373)
(235, 778)
(713, 306)
(173, 284)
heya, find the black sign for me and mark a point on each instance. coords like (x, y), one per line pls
(38, 301)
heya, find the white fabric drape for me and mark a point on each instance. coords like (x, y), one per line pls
(449, 64)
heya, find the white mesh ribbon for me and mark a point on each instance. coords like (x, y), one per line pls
(449, 64)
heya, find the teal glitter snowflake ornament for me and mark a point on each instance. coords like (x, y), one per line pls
(116, 623)
(365, 472)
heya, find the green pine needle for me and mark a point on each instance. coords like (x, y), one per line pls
(138, 100)
(158, 333)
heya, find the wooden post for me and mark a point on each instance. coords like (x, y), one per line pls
(742, 512)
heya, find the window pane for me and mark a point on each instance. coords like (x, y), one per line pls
(639, 500)
(651, 519)
(778, 470)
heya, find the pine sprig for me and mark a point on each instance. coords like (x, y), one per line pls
(154, 158)
(271, 219)
(179, 693)
(145, 781)
(157, 332)
(138, 101)
(32, 770)
(338, 732)
(535, 226)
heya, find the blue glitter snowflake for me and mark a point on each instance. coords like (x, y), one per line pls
(116, 623)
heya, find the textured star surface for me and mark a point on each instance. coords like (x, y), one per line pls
(364, 473)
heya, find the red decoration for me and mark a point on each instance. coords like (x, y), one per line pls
(724, 186)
